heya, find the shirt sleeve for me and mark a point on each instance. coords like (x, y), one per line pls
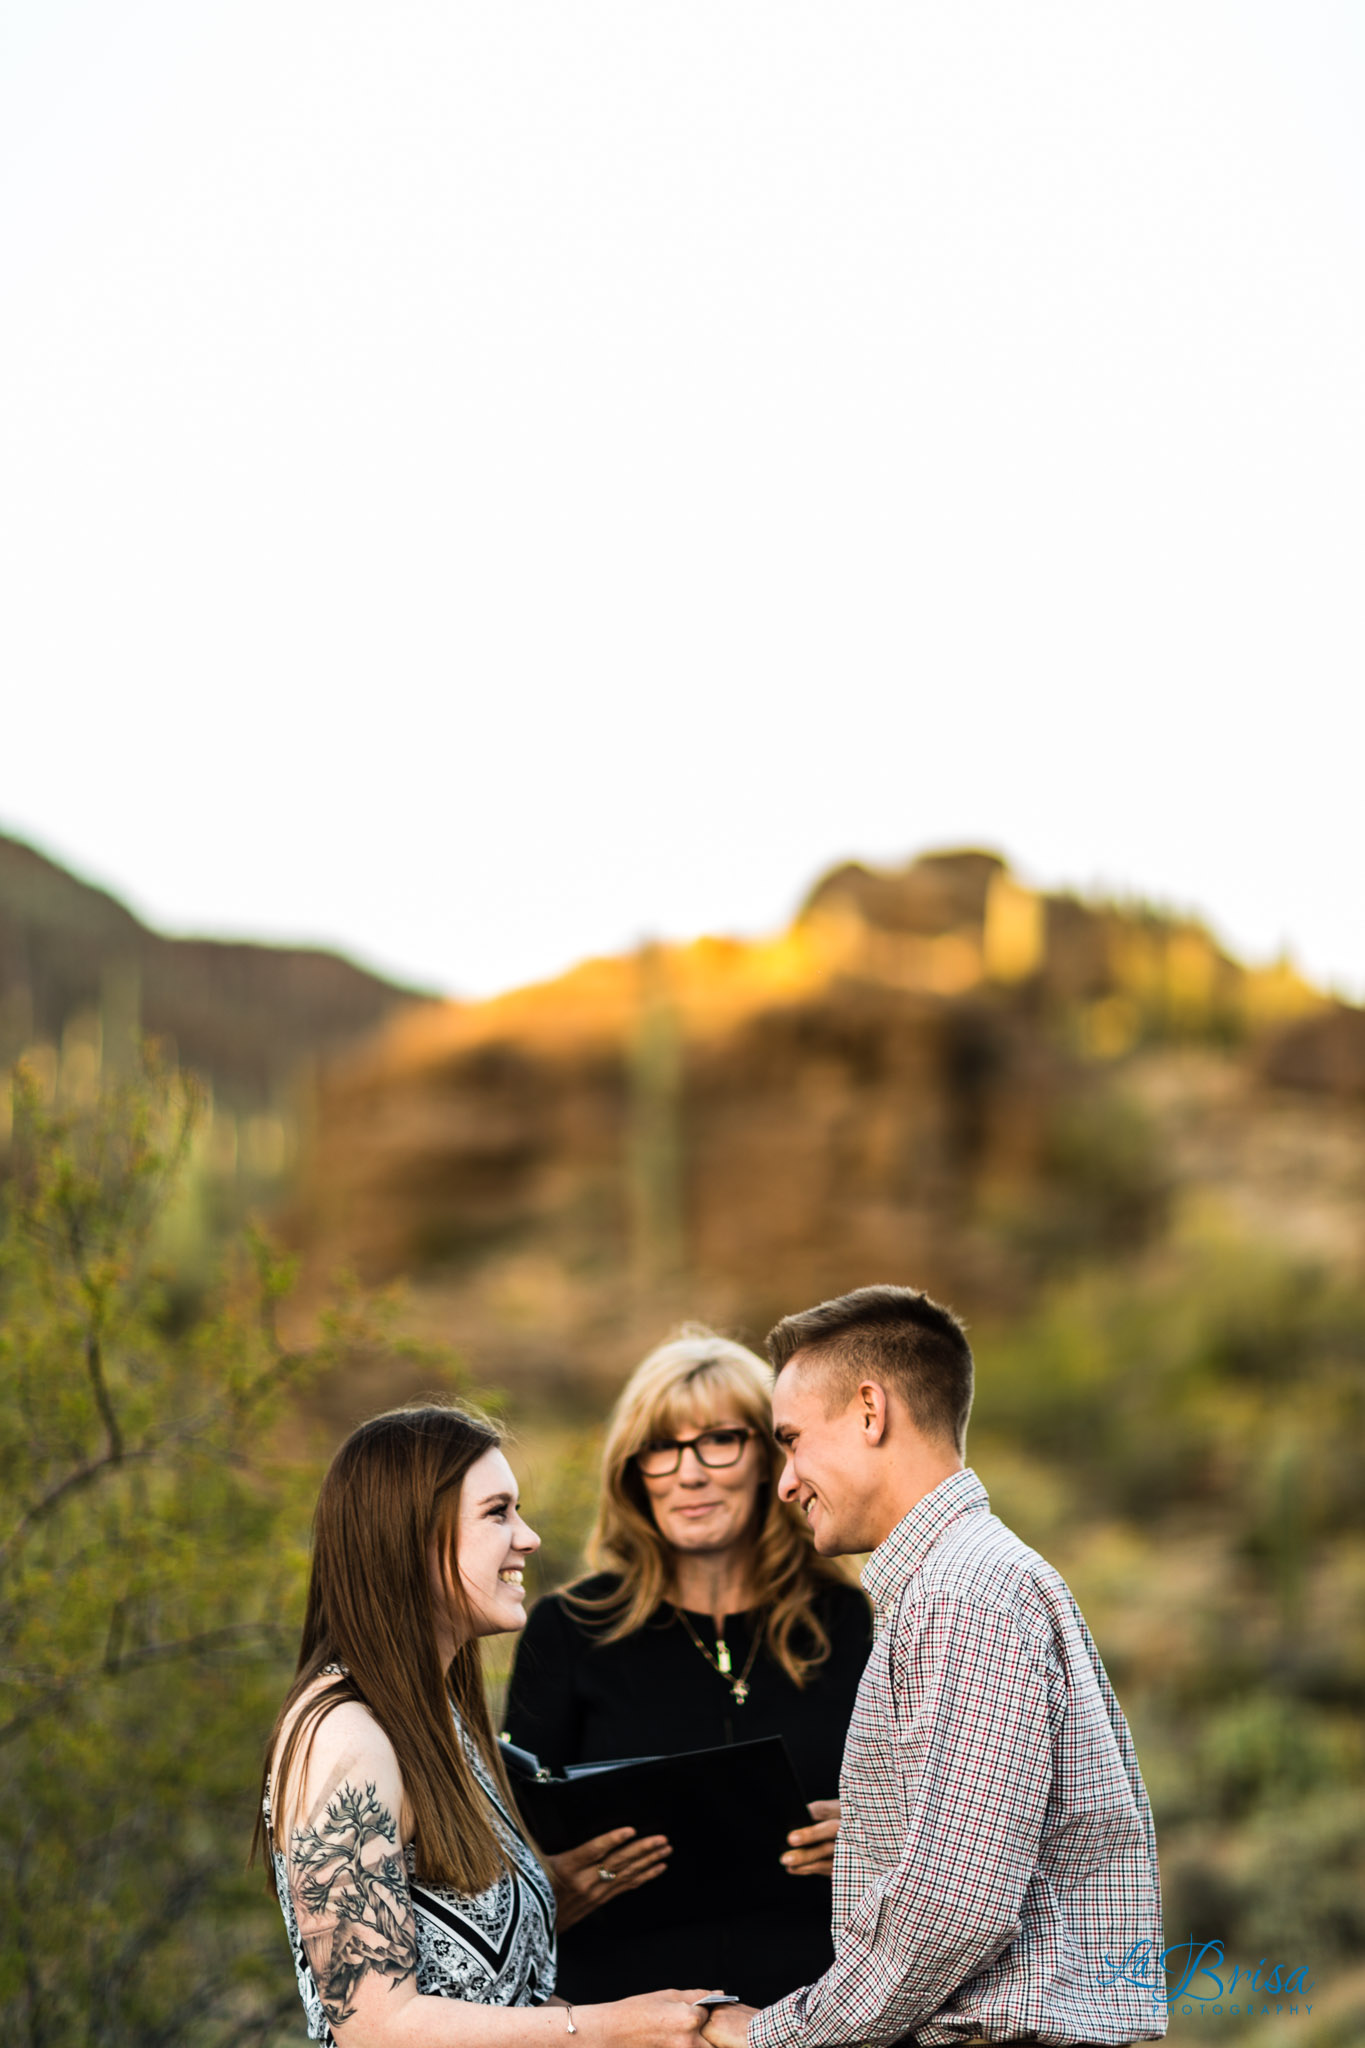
(544, 1713)
(974, 1773)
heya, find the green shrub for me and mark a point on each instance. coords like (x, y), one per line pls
(152, 1552)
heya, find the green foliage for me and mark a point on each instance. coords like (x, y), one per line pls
(152, 1553)
(1103, 1188)
(1184, 1439)
(559, 1469)
(561, 1488)
(1220, 1375)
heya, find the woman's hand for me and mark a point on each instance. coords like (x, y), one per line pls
(586, 1877)
(812, 1849)
(657, 2019)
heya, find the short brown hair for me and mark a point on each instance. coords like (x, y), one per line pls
(918, 1346)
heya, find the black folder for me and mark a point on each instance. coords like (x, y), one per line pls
(726, 1811)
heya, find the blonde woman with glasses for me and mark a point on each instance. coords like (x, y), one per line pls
(708, 1619)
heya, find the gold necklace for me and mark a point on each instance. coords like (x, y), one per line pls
(720, 1663)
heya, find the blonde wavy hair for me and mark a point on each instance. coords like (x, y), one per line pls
(700, 1377)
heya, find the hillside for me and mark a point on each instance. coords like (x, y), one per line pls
(933, 1074)
(79, 975)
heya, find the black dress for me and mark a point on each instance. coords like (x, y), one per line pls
(575, 1699)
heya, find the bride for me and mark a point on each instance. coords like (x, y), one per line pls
(417, 1911)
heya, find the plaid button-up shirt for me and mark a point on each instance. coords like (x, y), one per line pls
(996, 1844)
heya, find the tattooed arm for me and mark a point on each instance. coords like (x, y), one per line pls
(343, 1842)
(343, 1845)
(350, 1894)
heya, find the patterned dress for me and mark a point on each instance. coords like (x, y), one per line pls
(493, 1948)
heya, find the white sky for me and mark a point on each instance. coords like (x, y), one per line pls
(483, 483)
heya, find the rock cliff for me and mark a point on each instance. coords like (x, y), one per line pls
(935, 1075)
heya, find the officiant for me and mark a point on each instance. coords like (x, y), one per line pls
(709, 1619)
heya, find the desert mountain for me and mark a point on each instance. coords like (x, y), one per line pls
(79, 972)
(935, 1075)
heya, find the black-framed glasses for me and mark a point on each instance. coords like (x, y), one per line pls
(715, 1448)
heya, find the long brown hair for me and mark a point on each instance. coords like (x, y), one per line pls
(700, 1374)
(391, 1490)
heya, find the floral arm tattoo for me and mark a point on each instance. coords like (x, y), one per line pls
(354, 1909)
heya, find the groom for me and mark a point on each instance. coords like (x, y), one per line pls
(995, 1861)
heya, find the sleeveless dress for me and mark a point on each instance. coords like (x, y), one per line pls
(492, 1948)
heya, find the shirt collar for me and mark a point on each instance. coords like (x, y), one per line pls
(902, 1553)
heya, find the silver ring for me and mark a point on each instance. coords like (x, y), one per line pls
(607, 1876)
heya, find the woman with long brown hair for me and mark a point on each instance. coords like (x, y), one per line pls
(417, 1911)
(709, 1619)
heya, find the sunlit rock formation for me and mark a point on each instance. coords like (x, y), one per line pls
(935, 1075)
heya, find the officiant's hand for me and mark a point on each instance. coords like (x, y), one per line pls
(586, 1877)
(811, 1853)
(728, 2026)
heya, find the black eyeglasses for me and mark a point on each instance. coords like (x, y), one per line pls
(715, 1448)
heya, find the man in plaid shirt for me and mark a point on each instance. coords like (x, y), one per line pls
(995, 1862)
